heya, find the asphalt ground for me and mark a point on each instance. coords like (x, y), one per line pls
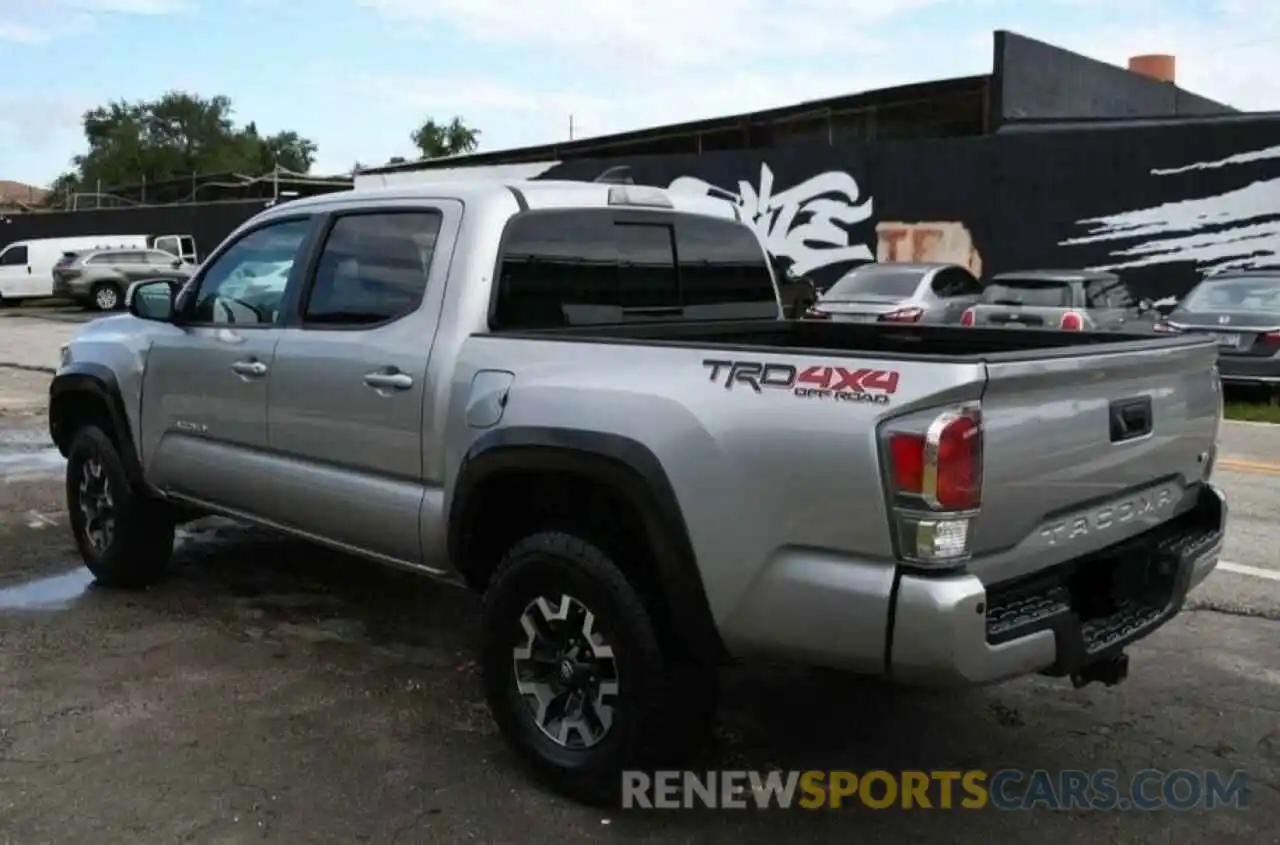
(270, 691)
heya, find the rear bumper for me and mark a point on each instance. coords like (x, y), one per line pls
(955, 631)
(1245, 370)
(952, 630)
(64, 289)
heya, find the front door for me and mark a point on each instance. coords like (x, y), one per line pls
(204, 418)
(349, 388)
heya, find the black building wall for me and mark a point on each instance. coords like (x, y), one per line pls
(1161, 205)
(1038, 81)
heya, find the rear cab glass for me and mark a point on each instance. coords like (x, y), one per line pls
(578, 267)
(1034, 293)
(874, 283)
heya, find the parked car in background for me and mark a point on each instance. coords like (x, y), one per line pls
(100, 278)
(26, 267)
(899, 293)
(1071, 300)
(1242, 310)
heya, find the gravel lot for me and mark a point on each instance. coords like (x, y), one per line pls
(274, 692)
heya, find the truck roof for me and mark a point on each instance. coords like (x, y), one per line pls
(541, 194)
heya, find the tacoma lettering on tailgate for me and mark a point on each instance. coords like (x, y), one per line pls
(811, 382)
(1152, 503)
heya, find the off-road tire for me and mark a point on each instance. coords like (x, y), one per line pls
(664, 705)
(141, 544)
(101, 287)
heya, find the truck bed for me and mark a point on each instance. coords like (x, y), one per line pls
(924, 343)
(1061, 458)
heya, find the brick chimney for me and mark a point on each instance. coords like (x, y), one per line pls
(1158, 67)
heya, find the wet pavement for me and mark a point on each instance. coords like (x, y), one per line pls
(273, 691)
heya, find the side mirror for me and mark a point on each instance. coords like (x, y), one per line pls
(153, 300)
(1145, 305)
(176, 263)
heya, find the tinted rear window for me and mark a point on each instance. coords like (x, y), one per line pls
(1036, 293)
(585, 267)
(1261, 295)
(877, 283)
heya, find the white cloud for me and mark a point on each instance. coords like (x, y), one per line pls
(38, 21)
(658, 33)
(665, 61)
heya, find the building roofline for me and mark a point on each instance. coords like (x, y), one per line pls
(1015, 127)
(586, 147)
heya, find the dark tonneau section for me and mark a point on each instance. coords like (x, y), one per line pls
(944, 343)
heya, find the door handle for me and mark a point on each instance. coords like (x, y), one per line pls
(384, 380)
(251, 369)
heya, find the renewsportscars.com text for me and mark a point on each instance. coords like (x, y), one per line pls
(1005, 789)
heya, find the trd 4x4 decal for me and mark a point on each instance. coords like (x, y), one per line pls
(812, 382)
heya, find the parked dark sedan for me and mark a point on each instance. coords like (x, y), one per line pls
(1242, 310)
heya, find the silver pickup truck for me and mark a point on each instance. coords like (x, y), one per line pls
(580, 401)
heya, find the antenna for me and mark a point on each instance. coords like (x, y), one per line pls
(617, 175)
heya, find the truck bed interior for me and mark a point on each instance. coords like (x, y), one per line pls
(915, 341)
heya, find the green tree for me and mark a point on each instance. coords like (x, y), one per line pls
(173, 137)
(437, 140)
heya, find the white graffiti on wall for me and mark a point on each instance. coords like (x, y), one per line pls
(1230, 231)
(803, 222)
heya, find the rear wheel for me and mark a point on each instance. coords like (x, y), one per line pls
(106, 296)
(574, 670)
(125, 538)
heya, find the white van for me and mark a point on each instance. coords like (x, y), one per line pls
(26, 267)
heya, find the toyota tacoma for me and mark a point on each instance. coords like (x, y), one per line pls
(582, 401)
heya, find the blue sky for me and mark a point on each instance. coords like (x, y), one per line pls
(357, 75)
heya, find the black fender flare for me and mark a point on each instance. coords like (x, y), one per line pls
(99, 383)
(625, 465)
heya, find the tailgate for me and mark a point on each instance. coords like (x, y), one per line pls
(1086, 449)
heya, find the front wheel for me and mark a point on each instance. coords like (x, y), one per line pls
(124, 537)
(574, 672)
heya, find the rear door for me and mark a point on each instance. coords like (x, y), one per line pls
(349, 391)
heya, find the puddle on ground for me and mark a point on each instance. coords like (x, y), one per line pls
(27, 452)
(52, 593)
(24, 440)
(42, 462)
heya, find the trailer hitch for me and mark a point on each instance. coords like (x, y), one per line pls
(1110, 672)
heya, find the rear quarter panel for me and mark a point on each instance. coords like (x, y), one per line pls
(755, 473)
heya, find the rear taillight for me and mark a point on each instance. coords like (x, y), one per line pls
(1270, 339)
(903, 315)
(935, 481)
(1166, 328)
(968, 317)
(1071, 322)
(815, 313)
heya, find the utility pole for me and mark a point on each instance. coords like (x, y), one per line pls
(570, 127)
